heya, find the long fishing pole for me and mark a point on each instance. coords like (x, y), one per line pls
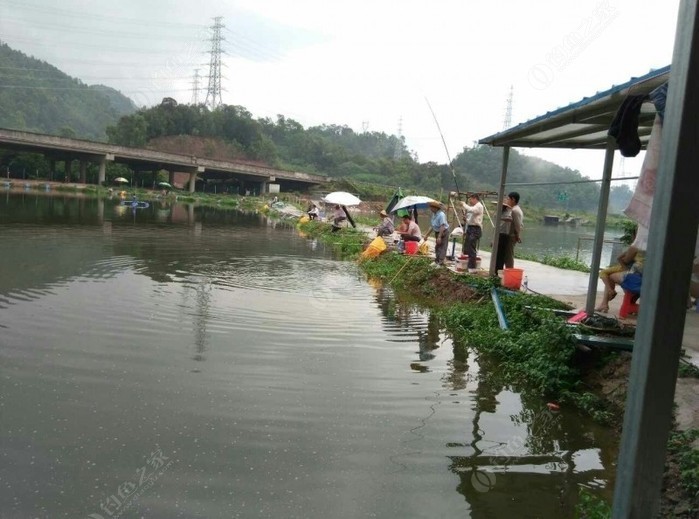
(451, 165)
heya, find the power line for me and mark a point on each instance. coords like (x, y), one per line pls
(253, 48)
(55, 11)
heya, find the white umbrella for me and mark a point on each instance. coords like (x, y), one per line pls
(420, 202)
(121, 180)
(341, 198)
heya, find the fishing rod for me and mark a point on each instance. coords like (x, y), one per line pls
(451, 166)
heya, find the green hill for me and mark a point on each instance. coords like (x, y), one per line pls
(38, 97)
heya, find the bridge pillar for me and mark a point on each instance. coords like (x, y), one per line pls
(193, 177)
(103, 168)
(83, 172)
(52, 168)
(102, 173)
(171, 177)
(68, 169)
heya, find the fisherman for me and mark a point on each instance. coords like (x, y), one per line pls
(385, 228)
(503, 234)
(630, 261)
(515, 228)
(409, 230)
(473, 221)
(339, 215)
(312, 211)
(440, 228)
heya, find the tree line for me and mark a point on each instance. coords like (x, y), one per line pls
(369, 157)
(73, 109)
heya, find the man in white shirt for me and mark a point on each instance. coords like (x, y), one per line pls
(473, 216)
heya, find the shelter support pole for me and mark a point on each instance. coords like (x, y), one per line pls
(601, 224)
(498, 214)
(671, 243)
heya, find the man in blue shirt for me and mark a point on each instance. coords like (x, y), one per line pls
(440, 228)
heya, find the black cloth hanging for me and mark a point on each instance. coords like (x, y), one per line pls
(624, 127)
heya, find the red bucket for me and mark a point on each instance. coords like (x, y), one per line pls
(411, 247)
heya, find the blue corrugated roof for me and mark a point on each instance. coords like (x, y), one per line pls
(577, 114)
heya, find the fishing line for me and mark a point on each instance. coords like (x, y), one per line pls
(451, 168)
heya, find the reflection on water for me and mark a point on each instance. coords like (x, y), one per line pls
(562, 240)
(187, 362)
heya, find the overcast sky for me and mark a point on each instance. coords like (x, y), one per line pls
(367, 64)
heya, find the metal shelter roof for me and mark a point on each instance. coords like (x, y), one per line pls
(584, 124)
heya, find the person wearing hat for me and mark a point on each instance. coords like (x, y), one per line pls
(385, 228)
(440, 228)
(504, 234)
(473, 216)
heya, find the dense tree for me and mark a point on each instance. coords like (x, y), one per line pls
(35, 96)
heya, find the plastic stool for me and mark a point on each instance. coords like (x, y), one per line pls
(629, 305)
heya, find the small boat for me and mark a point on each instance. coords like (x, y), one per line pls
(551, 220)
(135, 204)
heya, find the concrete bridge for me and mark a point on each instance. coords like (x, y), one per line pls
(70, 150)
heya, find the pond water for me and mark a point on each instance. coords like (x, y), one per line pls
(198, 363)
(573, 241)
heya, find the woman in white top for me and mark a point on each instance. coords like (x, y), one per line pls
(473, 216)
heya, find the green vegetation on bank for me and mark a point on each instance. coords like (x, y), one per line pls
(538, 349)
(681, 445)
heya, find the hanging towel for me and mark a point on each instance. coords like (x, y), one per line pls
(642, 199)
(658, 97)
(624, 127)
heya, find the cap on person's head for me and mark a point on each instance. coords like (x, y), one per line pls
(383, 213)
(435, 205)
(407, 215)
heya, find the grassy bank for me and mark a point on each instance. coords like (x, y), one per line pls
(537, 354)
(538, 348)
